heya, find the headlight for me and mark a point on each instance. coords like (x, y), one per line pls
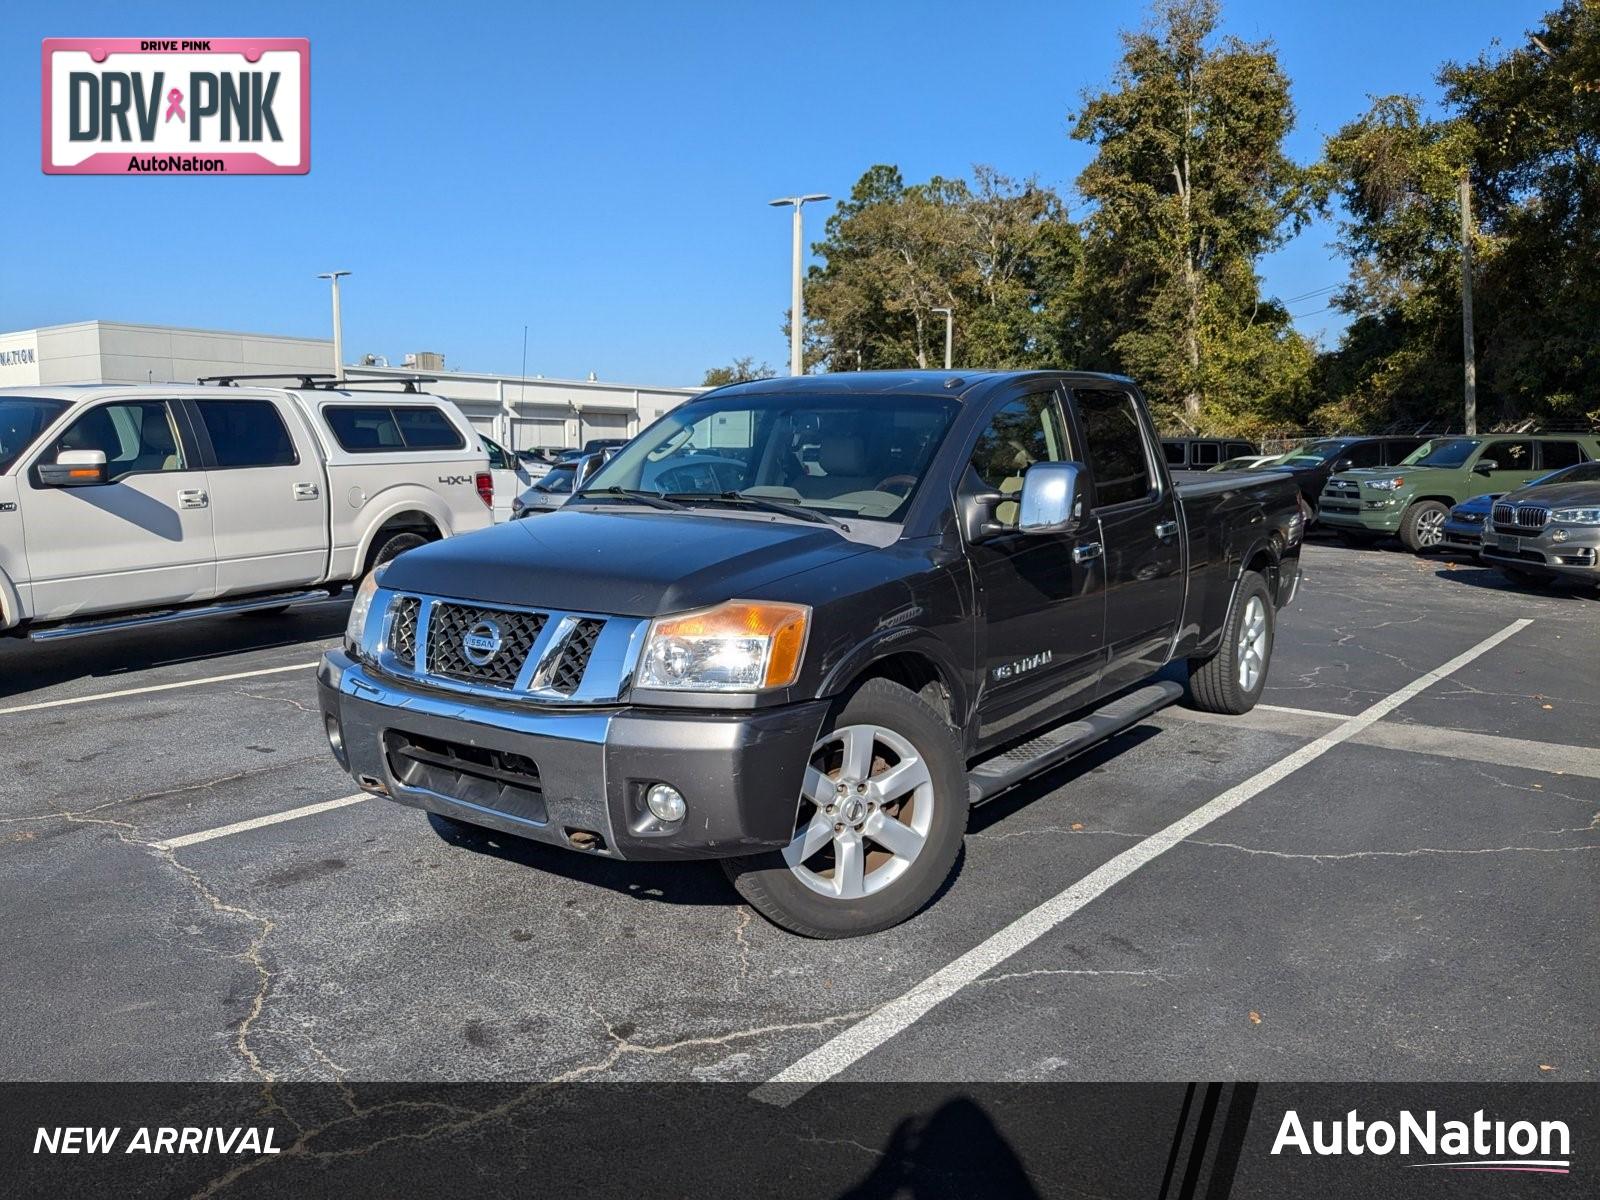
(1575, 516)
(1384, 485)
(356, 627)
(740, 646)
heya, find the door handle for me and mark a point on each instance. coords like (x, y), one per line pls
(305, 491)
(1089, 550)
(1166, 529)
(192, 498)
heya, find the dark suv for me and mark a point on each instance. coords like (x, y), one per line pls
(1312, 463)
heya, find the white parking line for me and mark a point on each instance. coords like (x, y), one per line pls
(867, 1035)
(293, 814)
(155, 687)
(1303, 712)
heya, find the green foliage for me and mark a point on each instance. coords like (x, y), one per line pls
(740, 370)
(1524, 126)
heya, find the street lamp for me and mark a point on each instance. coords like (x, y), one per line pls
(338, 322)
(797, 364)
(949, 332)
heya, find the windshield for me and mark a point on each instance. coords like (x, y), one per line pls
(557, 479)
(1442, 452)
(22, 419)
(841, 456)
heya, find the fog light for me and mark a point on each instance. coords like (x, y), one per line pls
(665, 803)
(1559, 535)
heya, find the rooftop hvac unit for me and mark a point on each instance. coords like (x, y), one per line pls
(424, 360)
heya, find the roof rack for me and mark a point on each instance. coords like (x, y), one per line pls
(307, 378)
(327, 381)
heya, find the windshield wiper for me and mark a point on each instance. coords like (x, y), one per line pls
(653, 499)
(797, 511)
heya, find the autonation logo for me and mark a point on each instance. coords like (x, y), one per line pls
(1480, 1144)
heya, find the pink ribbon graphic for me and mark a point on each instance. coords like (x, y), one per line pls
(175, 106)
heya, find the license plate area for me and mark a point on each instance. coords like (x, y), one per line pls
(499, 780)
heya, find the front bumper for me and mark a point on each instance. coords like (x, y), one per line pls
(1462, 535)
(1576, 554)
(1345, 513)
(577, 777)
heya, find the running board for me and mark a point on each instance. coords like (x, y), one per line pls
(994, 775)
(55, 633)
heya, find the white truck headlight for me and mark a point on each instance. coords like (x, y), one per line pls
(740, 646)
(1575, 516)
(355, 627)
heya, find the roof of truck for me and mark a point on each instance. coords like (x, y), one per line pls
(79, 392)
(919, 383)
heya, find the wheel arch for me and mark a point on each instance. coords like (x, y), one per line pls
(921, 665)
(405, 519)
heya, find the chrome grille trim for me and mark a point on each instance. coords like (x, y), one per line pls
(1518, 517)
(572, 657)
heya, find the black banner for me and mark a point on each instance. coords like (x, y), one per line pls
(862, 1141)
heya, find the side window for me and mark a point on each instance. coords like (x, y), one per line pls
(1559, 454)
(1510, 455)
(1207, 454)
(497, 457)
(426, 428)
(1174, 453)
(1240, 449)
(137, 438)
(1364, 454)
(1026, 431)
(247, 433)
(1115, 446)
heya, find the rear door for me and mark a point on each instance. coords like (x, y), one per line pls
(1139, 527)
(1041, 639)
(265, 479)
(141, 540)
(1560, 452)
(1513, 460)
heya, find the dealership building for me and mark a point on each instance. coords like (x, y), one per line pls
(520, 412)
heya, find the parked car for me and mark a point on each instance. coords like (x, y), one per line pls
(1313, 463)
(126, 505)
(812, 677)
(1244, 462)
(1549, 529)
(1463, 528)
(592, 446)
(1202, 453)
(536, 462)
(511, 477)
(549, 491)
(1414, 499)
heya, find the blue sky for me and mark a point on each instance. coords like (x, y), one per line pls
(600, 172)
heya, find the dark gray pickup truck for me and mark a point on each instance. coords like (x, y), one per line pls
(803, 625)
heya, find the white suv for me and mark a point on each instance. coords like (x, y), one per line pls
(130, 504)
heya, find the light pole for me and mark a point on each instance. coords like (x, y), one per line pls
(797, 365)
(949, 332)
(338, 322)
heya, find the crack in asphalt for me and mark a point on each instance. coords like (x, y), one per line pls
(1412, 853)
(1162, 976)
(76, 816)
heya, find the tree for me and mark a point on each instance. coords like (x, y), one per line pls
(741, 370)
(1190, 186)
(1523, 126)
(1000, 252)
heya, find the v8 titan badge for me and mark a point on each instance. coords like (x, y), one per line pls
(148, 106)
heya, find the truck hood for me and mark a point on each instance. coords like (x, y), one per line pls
(619, 562)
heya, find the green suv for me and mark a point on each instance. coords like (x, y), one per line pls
(1413, 499)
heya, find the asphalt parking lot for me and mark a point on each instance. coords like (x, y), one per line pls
(1404, 891)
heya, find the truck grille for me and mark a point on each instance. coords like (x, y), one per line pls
(575, 658)
(403, 630)
(1340, 496)
(1520, 516)
(448, 627)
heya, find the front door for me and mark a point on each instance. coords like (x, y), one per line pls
(1041, 629)
(141, 540)
(1139, 526)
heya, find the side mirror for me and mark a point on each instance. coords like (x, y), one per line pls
(1049, 498)
(586, 468)
(74, 468)
(1485, 466)
(1344, 464)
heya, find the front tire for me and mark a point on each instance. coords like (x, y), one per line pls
(1231, 680)
(1422, 527)
(880, 822)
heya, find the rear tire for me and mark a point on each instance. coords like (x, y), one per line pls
(1231, 680)
(902, 849)
(393, 546)
(1422, 527)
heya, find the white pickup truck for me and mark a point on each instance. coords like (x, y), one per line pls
(127, 505)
